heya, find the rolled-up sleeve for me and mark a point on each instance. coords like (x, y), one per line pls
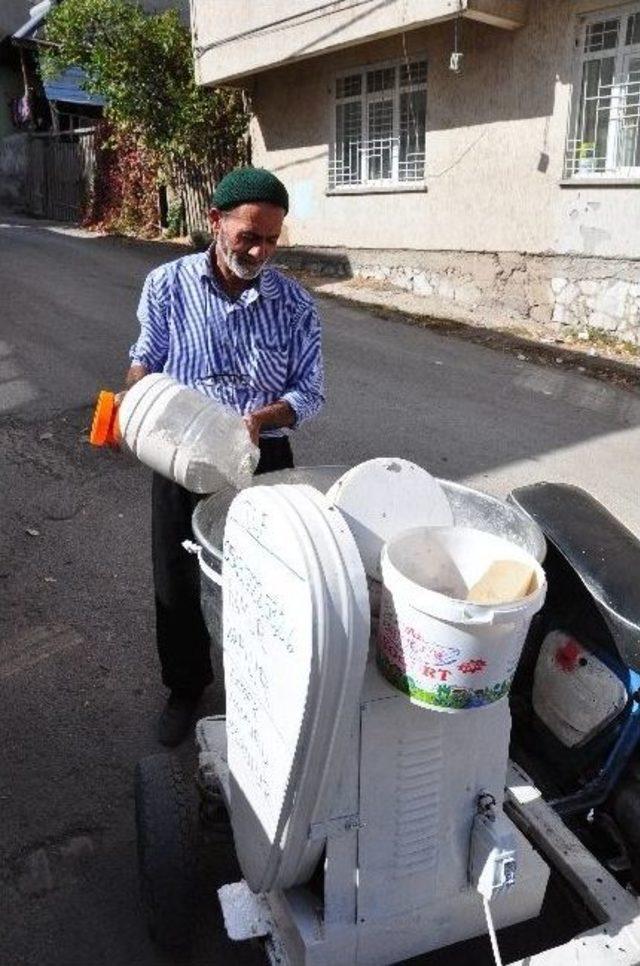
(152, 346)
(305, 383)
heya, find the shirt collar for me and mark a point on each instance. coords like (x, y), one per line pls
(265, 286)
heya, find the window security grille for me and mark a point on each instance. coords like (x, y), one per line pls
(380, 122)
(605, 136)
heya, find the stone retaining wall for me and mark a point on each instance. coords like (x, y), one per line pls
(507, 288)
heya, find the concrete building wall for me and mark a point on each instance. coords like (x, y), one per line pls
(13, 14)
(496, 133)
(495, 149)
(233, 38)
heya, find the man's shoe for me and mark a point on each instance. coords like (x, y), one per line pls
(176, 719)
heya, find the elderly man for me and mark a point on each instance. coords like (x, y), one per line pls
(249, 337)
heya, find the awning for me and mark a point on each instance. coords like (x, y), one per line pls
(37, 17)
(68, 87)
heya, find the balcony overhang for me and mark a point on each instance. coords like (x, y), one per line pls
(235, 39)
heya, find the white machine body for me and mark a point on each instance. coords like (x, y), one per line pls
(387, 790)
(406, 854)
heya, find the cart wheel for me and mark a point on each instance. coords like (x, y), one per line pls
(166, 850)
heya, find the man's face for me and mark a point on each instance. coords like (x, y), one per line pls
(247, 236)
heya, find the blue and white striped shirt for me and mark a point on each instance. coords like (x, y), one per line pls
(246, 353)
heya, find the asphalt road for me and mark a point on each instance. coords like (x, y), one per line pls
(79, 686)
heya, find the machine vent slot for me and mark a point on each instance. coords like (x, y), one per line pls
(417, 805)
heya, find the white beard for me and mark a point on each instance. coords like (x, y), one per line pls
(236, 264)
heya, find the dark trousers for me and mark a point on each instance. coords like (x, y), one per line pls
(181, 633)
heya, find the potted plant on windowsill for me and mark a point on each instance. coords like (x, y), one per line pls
(586, 151)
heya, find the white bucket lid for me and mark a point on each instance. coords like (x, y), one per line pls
(383, 497)
(296, 632)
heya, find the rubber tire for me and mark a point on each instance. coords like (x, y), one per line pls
(166, 850)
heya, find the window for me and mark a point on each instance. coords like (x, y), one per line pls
(605, 138)
(380, 126)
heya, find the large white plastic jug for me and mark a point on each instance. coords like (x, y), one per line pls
(185, 436)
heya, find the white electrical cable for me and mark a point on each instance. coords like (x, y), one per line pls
(492, 931)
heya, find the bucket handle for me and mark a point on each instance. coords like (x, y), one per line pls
(476, 618)
(191, 547)
(487, 617)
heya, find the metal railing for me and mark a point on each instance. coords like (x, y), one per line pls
(376, 162)
(615, 149)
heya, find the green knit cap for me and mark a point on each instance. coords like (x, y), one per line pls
(244, 185)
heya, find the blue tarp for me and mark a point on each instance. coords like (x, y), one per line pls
(68, 87)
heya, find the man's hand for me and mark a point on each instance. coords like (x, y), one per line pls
(253, 425)
(135, 374)
(274, 416)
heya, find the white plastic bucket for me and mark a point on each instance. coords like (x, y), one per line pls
(439, 649)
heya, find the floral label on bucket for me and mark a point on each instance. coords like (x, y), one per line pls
(465, 671)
